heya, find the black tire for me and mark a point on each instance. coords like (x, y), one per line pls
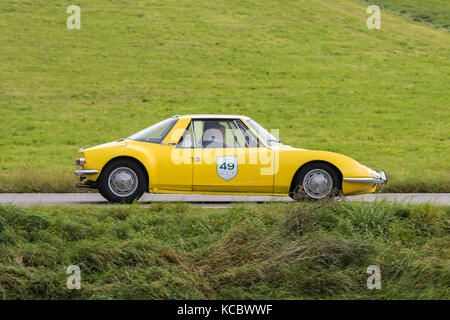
(122, 181)
(304, 189)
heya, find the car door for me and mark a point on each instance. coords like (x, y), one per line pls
(229, 158)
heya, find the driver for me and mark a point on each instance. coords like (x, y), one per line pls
(214, 135)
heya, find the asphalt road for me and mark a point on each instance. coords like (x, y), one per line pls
(208, 201)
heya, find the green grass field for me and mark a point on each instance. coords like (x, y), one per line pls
(434, 12)
(176, 251)
(309, 68)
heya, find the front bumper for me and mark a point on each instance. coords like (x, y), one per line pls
(84, 172)
(378, 178)
(84, 182)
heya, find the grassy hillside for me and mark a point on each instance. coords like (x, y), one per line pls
(309, 68)
(434, 12)
(175, 251)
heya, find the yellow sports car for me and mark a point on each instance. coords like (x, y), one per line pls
(217, 154)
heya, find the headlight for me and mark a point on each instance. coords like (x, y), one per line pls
(80, 162)
(374, 173)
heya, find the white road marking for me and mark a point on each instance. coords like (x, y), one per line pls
(207, 201)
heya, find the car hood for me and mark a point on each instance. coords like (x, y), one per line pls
(118, 143)
(285, 147)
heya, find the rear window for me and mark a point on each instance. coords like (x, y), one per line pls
(156, 133)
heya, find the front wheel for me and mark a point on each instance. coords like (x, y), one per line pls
(316, 181)
(122, 181)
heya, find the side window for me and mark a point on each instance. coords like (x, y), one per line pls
(234, 136)
(218, 134)
(250, 140)
(187, 140)
(239, 138)
(214, 134)
(197, 132)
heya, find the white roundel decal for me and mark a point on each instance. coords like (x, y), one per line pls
(227, 167)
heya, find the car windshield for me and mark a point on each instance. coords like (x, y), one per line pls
(263, 133)
(156, 133)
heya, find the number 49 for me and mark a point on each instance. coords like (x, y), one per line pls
(225, 166)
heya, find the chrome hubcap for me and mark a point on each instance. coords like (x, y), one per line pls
(123, 181)
(317, 183)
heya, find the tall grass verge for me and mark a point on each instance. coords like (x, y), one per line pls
(273, 251)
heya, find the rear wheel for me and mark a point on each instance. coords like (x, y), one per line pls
(316, 181)
(122, 181)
